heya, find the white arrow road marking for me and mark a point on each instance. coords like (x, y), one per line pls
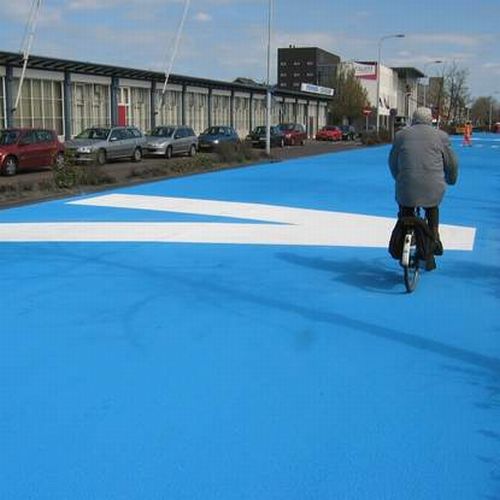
(290, 226)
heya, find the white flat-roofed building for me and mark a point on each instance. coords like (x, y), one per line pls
(69, 96)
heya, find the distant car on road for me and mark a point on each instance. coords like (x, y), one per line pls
(217, 135)
(294, 133)
(329, 133)
(29, 149)
(102, 144)
(171, 140)
(258, 137)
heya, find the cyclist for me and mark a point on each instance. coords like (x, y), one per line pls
(422, 162)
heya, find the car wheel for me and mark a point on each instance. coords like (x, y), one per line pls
(101, 157)
(59, 160)
(9, 166)
(168, 152)
(137, 156)
(192, 150)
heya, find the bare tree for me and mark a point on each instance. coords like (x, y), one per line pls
(456, 93)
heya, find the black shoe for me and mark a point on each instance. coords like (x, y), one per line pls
(438, 247)
(430, 264)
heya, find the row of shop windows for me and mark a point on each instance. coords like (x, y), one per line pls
(42, 105)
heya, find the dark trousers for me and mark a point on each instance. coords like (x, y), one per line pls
(431, 214)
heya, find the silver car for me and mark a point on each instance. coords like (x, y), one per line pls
(103, 144)
(169, 140)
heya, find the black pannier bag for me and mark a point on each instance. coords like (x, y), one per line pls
(424, 238)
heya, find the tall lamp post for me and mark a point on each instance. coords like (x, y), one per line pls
(491, 110)
(399, 35)
(425, 86)
(268, 93)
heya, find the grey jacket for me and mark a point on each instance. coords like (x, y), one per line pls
(422, 163)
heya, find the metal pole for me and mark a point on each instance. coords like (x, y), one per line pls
(378, 72)
(161, 97)
(29, 35)
(268, 94)
(377, 104)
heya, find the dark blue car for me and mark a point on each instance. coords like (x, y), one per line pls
(214, 136)
(258, 137)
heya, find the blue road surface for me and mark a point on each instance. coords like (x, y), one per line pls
(186, 371)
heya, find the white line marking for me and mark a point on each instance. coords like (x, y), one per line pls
(289, 226)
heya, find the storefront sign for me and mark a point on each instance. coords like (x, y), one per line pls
(365, 70)
(315, 89)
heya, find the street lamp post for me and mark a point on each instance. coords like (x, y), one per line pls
(268, 94)
(425, 86)
(378, 72)
(490, 123)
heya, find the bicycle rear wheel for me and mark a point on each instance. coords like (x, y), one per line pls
(411, 271)
(409, 260)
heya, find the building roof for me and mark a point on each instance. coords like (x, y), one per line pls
(409, 72)
(54, 64)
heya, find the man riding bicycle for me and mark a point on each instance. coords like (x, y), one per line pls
(422, 162)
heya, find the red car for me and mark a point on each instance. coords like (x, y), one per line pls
(329, 133)
(29, 149)
(293, 133)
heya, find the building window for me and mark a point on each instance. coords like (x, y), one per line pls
(296, 63)
(296, 84)
(221, 110)
(196, 111)
(169, 107)
(259, 112)
(310, 74)
(283, 75)
(296, 75)
(41, 104)
(310, 63)
(241, 115)
(90, 106)
(283, 63)
(2, 102)
(140, 108)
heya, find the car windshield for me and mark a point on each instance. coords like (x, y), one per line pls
(162, 132)
(8, 137)
(214, 131)
(260, 130)
(94, 133)
(287, 126)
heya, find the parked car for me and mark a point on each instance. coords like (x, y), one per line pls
(257, 137)
(102, 144)
(214, 136)
(29, 149)
(171, 140)
(348, 133)
(294, 133)
(329, 133)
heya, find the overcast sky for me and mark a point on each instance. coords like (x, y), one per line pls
(224, 39)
